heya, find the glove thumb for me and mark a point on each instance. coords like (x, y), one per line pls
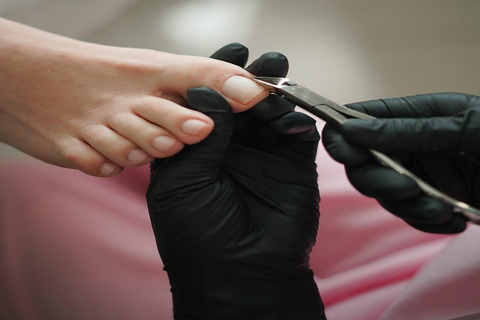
(199, 163)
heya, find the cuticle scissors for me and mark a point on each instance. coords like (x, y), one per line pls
(335, 114)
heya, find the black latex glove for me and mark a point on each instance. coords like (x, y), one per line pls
(236, 216)
(434, 135)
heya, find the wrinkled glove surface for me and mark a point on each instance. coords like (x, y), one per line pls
(235, 217)
(434, 135)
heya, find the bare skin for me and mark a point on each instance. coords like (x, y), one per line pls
(99, 109)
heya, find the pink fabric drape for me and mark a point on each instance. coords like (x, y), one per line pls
(78, 247)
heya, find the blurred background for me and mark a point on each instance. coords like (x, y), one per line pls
(346, 50)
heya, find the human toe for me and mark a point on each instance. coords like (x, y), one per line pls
(77, 154)
(155, 140)
(115, 147)
(188, 126)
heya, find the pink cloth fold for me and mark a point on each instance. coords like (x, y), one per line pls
(78, 247)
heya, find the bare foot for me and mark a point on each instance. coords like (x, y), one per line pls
(98, 108)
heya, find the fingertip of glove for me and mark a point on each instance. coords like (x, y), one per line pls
(235, 53)
(236, 46)
(342, 151)
(453, 226)
(270, 64)
(422, 209)
(346, 154)
(206, 99)
(294, 122)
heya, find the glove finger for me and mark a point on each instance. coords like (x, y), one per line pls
(422, 210)
(270, 64)
(272, 107)
(234, 53)
(410, 135)
(292, 134)
(447, 172)
(426, 214)
(341, 150)
(199, 163)
(295, 123)
(418, 106)
(455, 225)
(377, 181)
(299, 132)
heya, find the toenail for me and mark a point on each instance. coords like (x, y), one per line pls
(241, 89)
(193, 126)
(163, 143)
(137, 156)
(106, 169)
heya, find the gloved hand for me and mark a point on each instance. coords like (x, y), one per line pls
(236, 216)
(434, 135)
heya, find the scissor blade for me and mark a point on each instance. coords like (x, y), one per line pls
(272, 83)
(309, 100)
(291, 91)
